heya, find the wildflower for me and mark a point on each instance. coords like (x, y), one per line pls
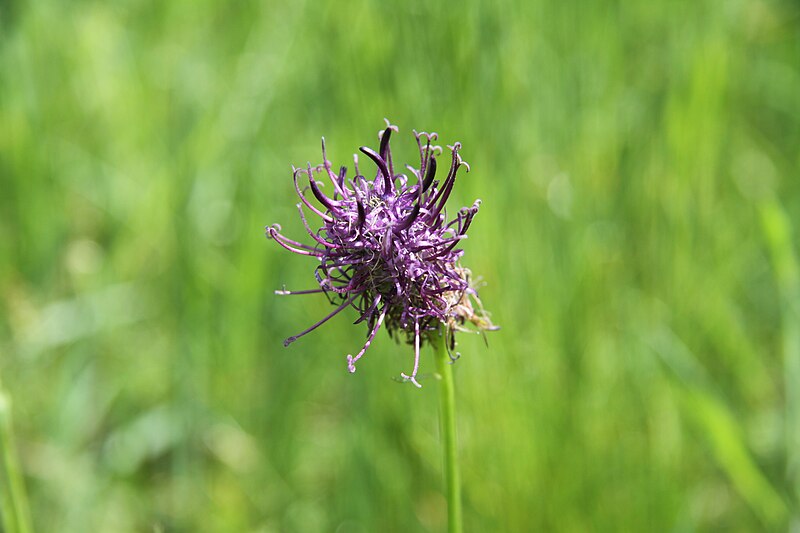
(386, 248)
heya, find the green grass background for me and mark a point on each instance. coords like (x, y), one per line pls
(639, 169)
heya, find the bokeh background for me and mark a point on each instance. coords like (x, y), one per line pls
(639, 170)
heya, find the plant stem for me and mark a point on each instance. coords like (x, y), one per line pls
(13, 503)
(447, 415)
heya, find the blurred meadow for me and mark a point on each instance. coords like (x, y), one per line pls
(639, 169)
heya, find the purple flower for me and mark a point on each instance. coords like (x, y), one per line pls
(387, 249)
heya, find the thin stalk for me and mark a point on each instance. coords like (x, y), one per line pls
(447, 416)
(13, 502)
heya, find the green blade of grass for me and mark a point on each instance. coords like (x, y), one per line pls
(777, 230)
(15, 514)
(717, 425)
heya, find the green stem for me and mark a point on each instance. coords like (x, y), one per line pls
(13, 503)
(447, 415)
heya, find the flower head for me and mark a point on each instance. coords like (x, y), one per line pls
(386, 246)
